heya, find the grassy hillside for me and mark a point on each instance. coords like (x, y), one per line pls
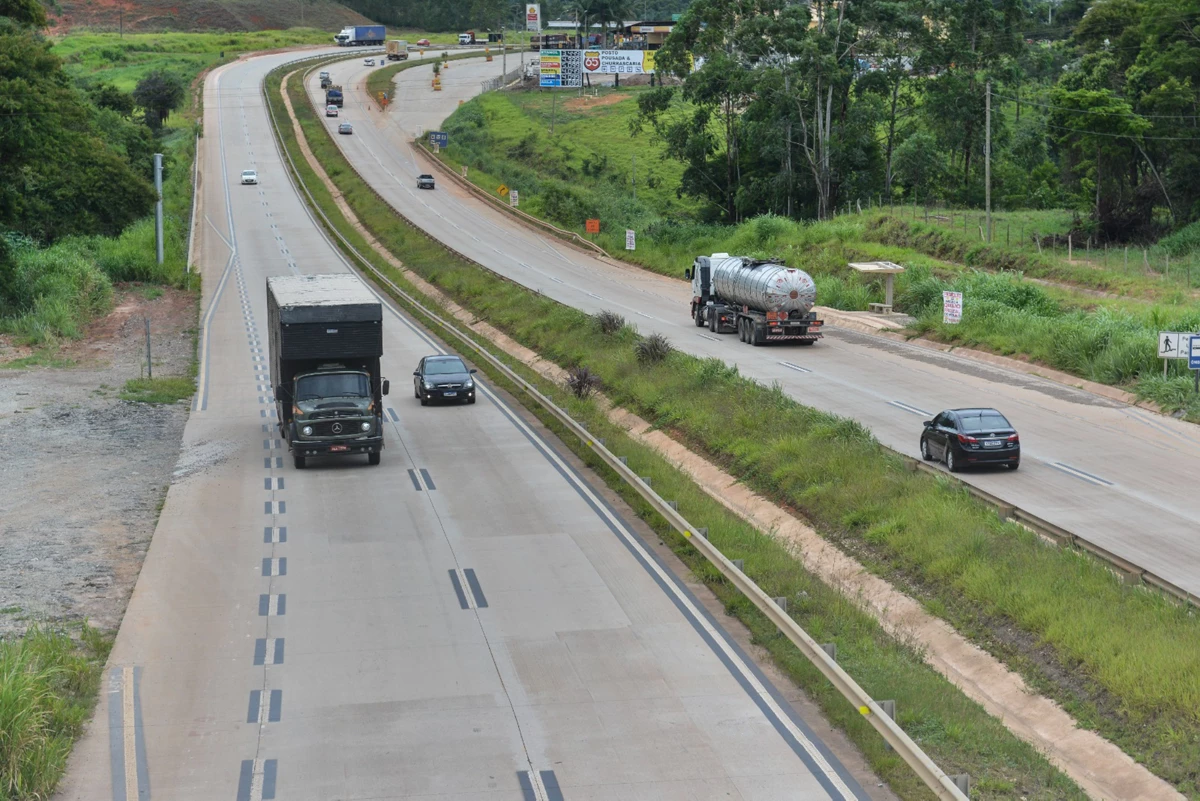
(123, 60)
(202, 15)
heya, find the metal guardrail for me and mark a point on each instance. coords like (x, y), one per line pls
(943, 786)
(492, 84)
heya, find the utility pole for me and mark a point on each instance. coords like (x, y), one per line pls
(503, 53)
(633, 176)
(158, 207)
(987, 160)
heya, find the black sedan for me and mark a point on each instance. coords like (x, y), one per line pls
(966, 437)
(443, 378)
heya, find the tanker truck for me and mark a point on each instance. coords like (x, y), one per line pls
(761, 300)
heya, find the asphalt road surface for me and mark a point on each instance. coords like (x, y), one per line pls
(1119, 476)
(468, 620)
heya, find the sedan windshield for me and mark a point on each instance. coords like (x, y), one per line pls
(445, 367)
(332, 385)
(983, 421)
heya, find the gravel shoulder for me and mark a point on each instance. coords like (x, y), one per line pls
(84, 473)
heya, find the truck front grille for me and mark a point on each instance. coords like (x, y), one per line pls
(337, 428)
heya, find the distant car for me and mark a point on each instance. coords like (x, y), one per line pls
(443, 378)
(967, 437)
(368, 62)
(424, 182)
(331, 110)
(249, 177)
(422, 43)
(345, 128)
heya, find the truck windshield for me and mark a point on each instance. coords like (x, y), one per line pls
(332, 385)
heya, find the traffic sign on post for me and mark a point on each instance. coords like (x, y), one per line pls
(439, 138)
(593, 226)
(1194, 353)
(1173, 345)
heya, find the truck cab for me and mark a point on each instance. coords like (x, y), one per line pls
(334, 411)
(467, 38)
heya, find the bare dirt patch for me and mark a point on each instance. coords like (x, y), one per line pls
(585, 103)
(84, 473)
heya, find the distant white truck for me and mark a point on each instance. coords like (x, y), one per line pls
(467, 38)
(397, 50)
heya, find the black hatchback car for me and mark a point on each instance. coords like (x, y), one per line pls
(967, 437)
(443, 378)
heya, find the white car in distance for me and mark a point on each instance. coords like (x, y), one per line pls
(249, 177)
(368, 62)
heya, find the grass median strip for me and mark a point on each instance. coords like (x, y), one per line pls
(1123, 660)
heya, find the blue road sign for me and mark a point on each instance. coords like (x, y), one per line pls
(1194, 353)
(439, 138)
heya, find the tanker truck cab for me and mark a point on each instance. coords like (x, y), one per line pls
(761, 300)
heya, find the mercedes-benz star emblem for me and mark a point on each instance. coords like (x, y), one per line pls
(337, 428)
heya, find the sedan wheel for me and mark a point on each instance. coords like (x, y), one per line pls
(925, 452)
(1014, 465)
(952, 461)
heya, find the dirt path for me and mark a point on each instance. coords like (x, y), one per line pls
(84, 473)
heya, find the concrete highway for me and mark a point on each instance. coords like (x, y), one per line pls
(1120, 476)
(468, 620)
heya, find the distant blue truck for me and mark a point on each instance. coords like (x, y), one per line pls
(361, 36)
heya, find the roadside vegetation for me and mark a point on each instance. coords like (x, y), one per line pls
(1122, 660)
(87, 146)
(48, 685)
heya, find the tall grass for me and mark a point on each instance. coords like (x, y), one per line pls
(1134, 657)
(48, 685)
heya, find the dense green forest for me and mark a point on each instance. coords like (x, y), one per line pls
(801, 109)
(76, 172)
(438, 15)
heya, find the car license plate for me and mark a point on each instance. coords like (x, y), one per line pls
(992, 443)
(338, 448)
(449, 394)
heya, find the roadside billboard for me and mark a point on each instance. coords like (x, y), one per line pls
(618, 62)
(561, 68)
(533, 16)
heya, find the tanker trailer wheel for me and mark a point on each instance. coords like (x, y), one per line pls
(807, 342)
(741, 330)
(757, 335)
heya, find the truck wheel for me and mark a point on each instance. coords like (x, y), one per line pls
(698, 316)
(373, 458)
(807, 342)
(712, 321)
(756, 335)
(297, 461)
(742, 329)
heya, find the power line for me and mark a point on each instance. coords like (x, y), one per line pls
(1097, 113)
(1126, 136)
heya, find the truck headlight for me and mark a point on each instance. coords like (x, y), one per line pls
(306, 431)
(366, 426)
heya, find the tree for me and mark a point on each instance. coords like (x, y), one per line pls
(159, 93)
(919, 165)
(107, 96)
(57, 175)
(25, 13)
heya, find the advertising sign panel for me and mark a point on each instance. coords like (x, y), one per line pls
(533, 16)
(618, 62)
(951, 307)
(561, 68)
